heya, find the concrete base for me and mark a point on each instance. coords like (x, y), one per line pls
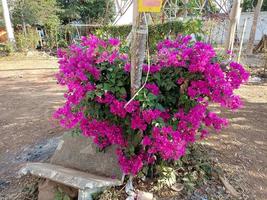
(86, 183)
(77, 164)
(48, 189)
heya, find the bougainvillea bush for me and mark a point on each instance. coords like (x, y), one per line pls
(167, 115)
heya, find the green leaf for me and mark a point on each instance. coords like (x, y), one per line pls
(99, 93)
(151, 97)
(183, 99)
(122, 90)
(159, 107)
(106, 87)
(90, 95)
(66, 197)
(120, 83)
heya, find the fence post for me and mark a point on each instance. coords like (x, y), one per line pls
(8, 24)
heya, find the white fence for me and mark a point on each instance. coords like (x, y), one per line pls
(218, 29)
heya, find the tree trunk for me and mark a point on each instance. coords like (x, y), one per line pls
(254, 27)
(241, 42)
(138, 47)
(234, 19)
(8, 24)
(23, 25)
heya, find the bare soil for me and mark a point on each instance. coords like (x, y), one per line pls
(241, 149)
(29, 94)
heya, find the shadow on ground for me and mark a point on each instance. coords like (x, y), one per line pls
(241, 148)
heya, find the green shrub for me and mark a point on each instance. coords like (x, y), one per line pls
(26, 42)
(157, 32)
(6, 49)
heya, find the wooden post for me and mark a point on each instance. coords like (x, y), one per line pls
(234, 19)
(254, 27)
(138, 47)
(242, 39)
(8, 24)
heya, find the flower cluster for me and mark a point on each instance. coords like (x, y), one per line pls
(169, 113)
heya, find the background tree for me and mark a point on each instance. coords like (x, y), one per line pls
(1, 15)
(234, 19)
(249, 5)
(34, 12)
(254, 26)
(87, 11)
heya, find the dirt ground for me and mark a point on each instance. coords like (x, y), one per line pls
(241, 149)
(29, 94)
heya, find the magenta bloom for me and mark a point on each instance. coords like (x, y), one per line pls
(114, 42)
(127, 67)
(153, 68)
(146, 141)
(153, 88)
(150, 115)
(132, 106)
(180, 81)
(117, 108)
(138, 123)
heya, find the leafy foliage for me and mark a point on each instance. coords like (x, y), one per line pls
(34, 12)
(248, 5)
(6, 49)
(1, 16)
(193, 170)
(157, 32)
(60, 195)
(193, 7)
(87, 11)
(27, 42)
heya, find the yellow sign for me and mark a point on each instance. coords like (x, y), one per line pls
(149, 5)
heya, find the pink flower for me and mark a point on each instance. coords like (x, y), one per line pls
(180, 81)
(117, 108)
(153, 68)
(212, 119)
(203, 133)
(153, 88)
(132, 106)
(168, 143)
(113, 57)
(138, 123)
(107, 99)
(127, 67)
(103, 133)
(146, 141)
(150, 115)
(165, 115)
(130, 165)
(114, 41)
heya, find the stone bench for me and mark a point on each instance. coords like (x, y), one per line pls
(77, 164)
